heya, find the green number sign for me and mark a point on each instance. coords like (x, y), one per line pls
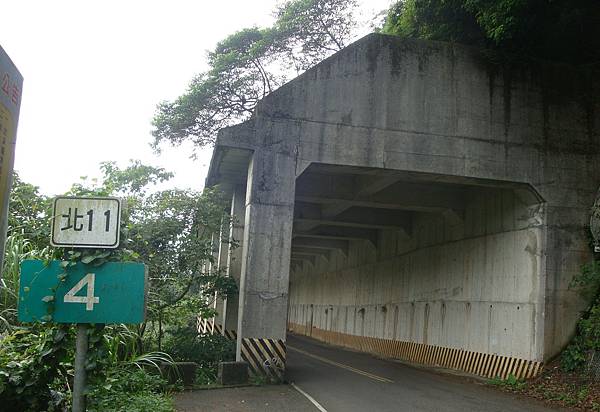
(111, 293)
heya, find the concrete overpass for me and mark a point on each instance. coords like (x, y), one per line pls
(414, 200)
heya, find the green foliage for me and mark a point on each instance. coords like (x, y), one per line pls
(433, 20)
(563, 30)
(186, 345)
(34, 367)
(588, 280)
(249, 64)
(573, 357)
(16, 249)
(29, 214)
(130, 390)
(310, 30)
(511, 382)
(171, 232)
(587, 337)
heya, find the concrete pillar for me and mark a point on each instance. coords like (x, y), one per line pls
(223, 250)
(262, 316)
(212, 267)
(234, 256)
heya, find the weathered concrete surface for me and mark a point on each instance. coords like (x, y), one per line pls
(234, 256)
(263, 296)
(232, 373)
(386, 112)
(472, 285)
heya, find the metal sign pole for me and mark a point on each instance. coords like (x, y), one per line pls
(81, 347)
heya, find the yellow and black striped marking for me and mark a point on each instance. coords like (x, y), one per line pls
(477, 363)
(265, 357)
(230, 334)
(202, 325)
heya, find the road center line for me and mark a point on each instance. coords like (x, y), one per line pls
(310, 398)
(341, 365)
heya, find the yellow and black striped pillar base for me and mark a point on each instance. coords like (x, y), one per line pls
(265, 357)
(231, 334)
(488, 365)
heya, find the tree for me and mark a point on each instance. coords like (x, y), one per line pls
(310, 30)
(171, 232)
(227, 93)
(29, 213)
(563, 30)
(250, 64)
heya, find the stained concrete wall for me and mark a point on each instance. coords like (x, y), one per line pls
(444, 110)
(472, 285)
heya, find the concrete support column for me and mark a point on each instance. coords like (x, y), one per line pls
(221, 265)
(212, 267)
(234, 256)
(266, 250)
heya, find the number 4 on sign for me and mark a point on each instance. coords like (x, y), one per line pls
(89, 299)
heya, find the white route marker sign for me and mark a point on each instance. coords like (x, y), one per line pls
(86, 222)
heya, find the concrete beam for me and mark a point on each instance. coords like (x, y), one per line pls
(309, 216)
(346, 233)
(325, 244)
(426, 178)
(308, 258)
(310, 251)
(413, 197)
(315, 222)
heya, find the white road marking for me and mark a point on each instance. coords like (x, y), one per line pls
(341, 365)
(310, 398)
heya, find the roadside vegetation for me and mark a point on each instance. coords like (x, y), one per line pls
(558, 30)
(249, 64)
(573, 378)
(168, 230)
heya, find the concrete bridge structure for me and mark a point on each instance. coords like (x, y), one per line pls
(414, 200)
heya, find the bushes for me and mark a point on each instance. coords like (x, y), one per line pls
(185, 345)
(130, 390)
(33, 368)
(36, 371)
(587, 338)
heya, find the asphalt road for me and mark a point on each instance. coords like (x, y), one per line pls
(346, 381)
(266, 398)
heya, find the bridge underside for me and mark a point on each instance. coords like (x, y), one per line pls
(426, 268)
(411, 199)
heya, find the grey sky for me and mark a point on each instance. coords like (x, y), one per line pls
(95, 70)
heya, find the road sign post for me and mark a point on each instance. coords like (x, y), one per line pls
(81, 347)
(11, 86)
(83, 293)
